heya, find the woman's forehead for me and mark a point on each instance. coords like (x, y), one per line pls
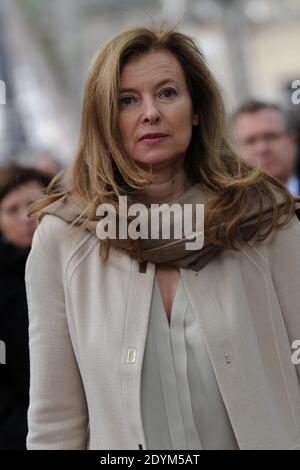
(155, 66)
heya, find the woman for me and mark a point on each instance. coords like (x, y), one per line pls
(19, 187)
(153, 345)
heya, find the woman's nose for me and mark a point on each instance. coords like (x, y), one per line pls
(151, 113)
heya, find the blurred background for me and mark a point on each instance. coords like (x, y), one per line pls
(252, 47)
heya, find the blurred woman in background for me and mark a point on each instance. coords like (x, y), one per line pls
(19, 187)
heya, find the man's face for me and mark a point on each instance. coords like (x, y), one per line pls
(261, 138)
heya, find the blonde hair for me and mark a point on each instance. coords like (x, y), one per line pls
(101, 170)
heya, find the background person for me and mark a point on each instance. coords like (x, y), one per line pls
(19, 187)
(264, 134)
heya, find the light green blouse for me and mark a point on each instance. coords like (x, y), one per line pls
(182, 407)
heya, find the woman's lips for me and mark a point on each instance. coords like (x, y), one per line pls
(153, 140)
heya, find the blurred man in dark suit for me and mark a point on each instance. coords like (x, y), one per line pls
(264, 134)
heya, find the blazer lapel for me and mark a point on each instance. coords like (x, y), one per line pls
(218, 296)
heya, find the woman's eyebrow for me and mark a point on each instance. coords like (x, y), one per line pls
(158, 85)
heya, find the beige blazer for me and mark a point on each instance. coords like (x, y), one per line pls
(88, 326)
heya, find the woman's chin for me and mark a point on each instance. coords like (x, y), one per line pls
(155, 160)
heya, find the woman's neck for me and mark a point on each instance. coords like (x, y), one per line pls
(168, 185)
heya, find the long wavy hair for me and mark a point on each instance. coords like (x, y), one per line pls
(101, 171)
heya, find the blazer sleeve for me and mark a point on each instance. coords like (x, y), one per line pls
(285, 264)
(57, 415)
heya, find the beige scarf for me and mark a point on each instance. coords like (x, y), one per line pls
(172, 251)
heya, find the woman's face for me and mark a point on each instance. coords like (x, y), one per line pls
(155, 109)
(15, 225)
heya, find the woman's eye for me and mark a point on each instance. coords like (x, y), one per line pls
(169, 92)
(126, 100)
